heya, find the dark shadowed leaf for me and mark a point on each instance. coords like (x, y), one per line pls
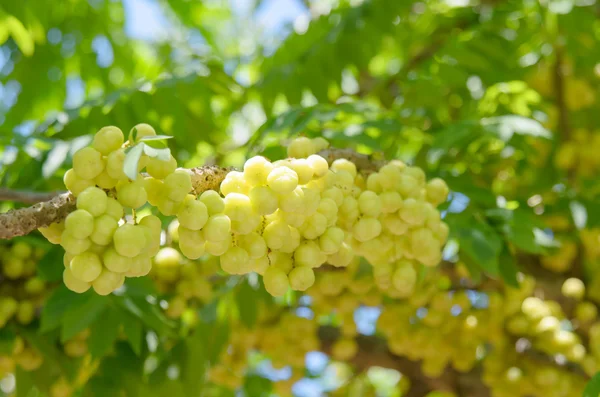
(246, 298)
(79, 316)
(508, 267)
(104, 331)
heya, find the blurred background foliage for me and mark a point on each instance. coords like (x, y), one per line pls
(498, 97)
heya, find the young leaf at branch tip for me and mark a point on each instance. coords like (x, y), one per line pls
(130, 165)
(155, 138)
(163, 154)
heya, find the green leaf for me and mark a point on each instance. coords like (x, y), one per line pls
(257, 386)
(518, 226)
(246, 299)
(104, 331)
(148, 313)
(80, 316)
(214, 336)
(61, 300)
(50, 267)
(133, 329)
(592, 389)
(478, 241)
(473, 268)
(465, 185)
(195, 365)
(161, 154)
(508, 268)
(139, 286)
(7, 340)
(25, 383)
(47, 346)
(132, 159)
(457, 135)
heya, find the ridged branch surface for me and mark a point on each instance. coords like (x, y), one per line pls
(22, 221)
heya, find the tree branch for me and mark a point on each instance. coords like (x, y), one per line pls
(22, 221)
(26, 196)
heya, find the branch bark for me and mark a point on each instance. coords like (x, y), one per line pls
(22, 221)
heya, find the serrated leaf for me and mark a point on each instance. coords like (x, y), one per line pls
(161, 154)
(592, 389)
(132, 159)
(79, 317)
(104, 331)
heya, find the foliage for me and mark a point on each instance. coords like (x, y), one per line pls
(495, 97)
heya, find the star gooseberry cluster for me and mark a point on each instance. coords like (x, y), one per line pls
(280, 219)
